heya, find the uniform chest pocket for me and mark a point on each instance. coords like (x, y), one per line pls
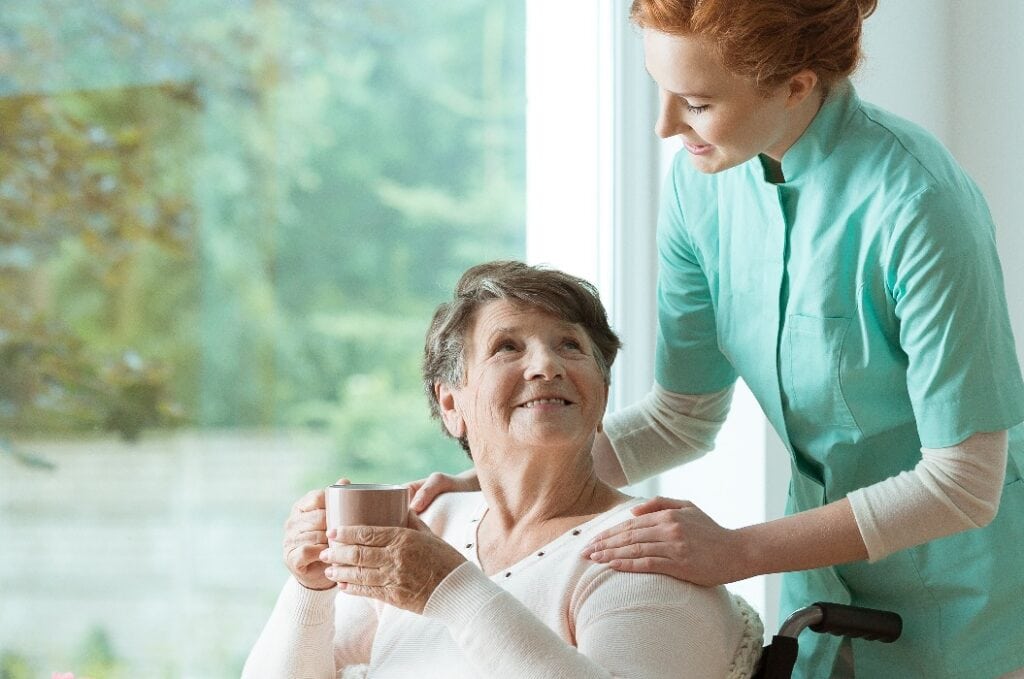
(812, 352)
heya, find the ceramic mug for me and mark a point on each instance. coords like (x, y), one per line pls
(366, 504)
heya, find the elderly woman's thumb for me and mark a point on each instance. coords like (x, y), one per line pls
(416, 523)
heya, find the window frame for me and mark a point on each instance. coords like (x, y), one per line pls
(594, 173)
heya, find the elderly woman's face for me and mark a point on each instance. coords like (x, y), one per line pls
(531, 380)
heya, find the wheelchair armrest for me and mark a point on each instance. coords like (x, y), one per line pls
(845, 621)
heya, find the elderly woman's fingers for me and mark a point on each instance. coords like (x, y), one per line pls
(296, 540)
(355, 555)
(304, 538)
(356, 589)
(314, 499)
(300, 556)
(371, 536)
(359, 576)
(301, 522)
(303, 563)
(416, 523)
(399, 566)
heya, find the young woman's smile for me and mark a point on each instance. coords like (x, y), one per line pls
(721, 118)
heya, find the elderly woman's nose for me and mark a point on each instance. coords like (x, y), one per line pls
(542, 362)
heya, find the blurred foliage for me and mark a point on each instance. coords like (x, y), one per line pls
(90, 207)
(242, 215)
(96, 657)
(15, 666)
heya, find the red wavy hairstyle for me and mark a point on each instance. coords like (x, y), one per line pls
(768, 40)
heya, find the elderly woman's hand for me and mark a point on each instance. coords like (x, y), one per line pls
(673, 537)
(399, 566)
(305, 536)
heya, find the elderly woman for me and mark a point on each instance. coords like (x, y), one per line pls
(492, 583)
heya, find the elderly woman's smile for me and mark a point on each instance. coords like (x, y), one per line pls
(543, 401)
(530, 378)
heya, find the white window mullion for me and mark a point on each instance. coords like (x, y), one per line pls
(563, 140)
(594, 172)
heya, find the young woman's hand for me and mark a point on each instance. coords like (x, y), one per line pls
(423, 492)
(399, 566)
(673, 537)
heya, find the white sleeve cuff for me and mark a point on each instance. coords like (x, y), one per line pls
(460, 596)
(666, 429)
(950, 490)
(296, 640)
(308, 606)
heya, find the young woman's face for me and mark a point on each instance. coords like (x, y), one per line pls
(721, 118)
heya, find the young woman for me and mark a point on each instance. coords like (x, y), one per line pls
(839, 260)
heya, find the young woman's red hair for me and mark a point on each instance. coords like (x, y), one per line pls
(768, 40)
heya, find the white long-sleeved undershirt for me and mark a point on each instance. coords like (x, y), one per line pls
(950, 490)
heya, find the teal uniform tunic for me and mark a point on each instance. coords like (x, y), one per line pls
(862, 302)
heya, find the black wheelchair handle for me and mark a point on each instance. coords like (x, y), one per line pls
(854, 621)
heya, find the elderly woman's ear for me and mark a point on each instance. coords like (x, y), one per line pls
(450, 414)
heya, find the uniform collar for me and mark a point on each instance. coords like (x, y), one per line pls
(823, 134)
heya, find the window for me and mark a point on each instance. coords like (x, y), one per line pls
(223, 228)
(595, 168)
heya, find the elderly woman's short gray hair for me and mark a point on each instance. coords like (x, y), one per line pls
(566, 297)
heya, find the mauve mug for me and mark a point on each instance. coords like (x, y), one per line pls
(366, 504)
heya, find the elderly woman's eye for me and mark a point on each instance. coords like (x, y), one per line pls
(573, 345)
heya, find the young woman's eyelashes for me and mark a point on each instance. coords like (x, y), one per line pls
(695, 109)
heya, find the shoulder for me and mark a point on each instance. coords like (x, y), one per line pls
(936, 226)
(682, 613)
(895, 175)
(614, 589)
(903, 155)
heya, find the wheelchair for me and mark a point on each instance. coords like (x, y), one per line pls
(778, 657)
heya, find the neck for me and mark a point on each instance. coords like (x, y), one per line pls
(529, 496)
(801, 119)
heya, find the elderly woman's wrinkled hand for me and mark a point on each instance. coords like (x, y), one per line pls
(399, 566)
(305, 536)
(673, 537)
